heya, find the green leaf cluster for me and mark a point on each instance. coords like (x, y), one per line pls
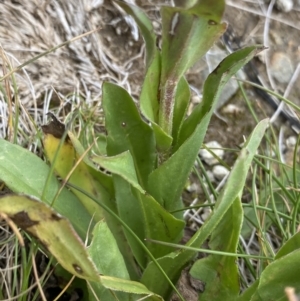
(127, 203)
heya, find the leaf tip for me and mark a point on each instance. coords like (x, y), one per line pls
(55, 127)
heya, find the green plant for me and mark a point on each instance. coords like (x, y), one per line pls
(130, 210)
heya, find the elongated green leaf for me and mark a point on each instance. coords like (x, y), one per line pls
(167, 181)
(283, 272)
(100, 148)
(147, 219)
(174, 263)
(149, 102)
(248, 293)
(127, 286)
(291, 245)
(130, 210)
(140, 211)
(234, 185)
(127, 131)
(184, 3)
(149, 98)
(187, 36)
(59, 238)
(220, 273)
(204, 7)
(213, 88)
(53, 231)
(153, 278)
(109, 261)
(24, 172)
(105, 187)
(63, 157)
(103, 179)
(160, 225)
(105, 253)
(121, 165)
(182, 100)
(128, 207)
(163, 140)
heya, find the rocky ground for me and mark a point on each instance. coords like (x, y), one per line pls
(72, 75)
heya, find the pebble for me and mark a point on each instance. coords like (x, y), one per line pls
(196, 99)
(207, 157)
(284, 5)
(281, 67)
(118, 31)
(156, 25)
(291, 141)
(210, 176)
(219, 172)
(192, 188)
(206, 213)
(232, 109)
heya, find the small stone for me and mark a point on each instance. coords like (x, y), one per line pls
(284, 5)
(281, 67)
(232, 109)
(196, 99)
(207, 157)
(118, 31)
(291, 141)
(206, 213)
(192, 188)
(220, 172)
(156, 25)
(210, 176)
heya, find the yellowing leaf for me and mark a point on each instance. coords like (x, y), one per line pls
(65, 160)
(53, 231)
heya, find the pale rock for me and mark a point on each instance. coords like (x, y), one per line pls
(284, 5)
(192, 188)
(232, 109)
(207, 157)
(206, 213)
(291, 141)
(196, 99)
(210, 176)
(220, 172)
(281, 67)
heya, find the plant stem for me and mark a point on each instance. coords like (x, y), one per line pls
(167, 103)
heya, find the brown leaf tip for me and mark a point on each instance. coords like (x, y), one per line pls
(55, 127)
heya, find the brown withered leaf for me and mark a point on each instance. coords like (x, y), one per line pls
(54, 232)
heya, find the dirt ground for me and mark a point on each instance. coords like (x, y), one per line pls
(73, 75)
